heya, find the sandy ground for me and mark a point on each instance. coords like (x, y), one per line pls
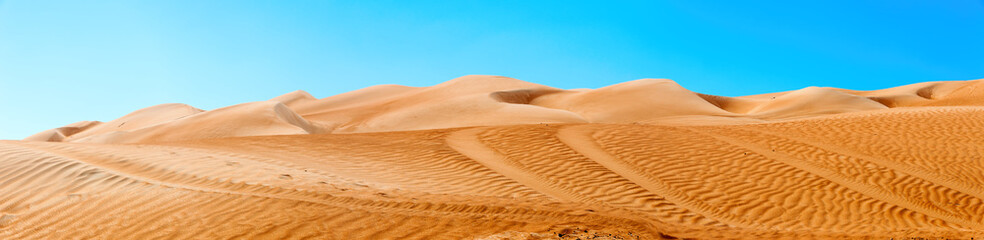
(485, 157)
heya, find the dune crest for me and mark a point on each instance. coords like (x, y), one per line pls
(59, 134)
(294, 98)
(633, 101)
(252, 119)
(812, 101)
(142, 118)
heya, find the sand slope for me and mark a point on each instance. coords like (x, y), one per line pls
(498, 158)
(250, 119)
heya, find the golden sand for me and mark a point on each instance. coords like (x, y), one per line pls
(485, 157)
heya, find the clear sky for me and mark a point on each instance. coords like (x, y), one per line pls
(66, 61)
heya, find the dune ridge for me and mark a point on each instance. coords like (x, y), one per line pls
(484, 157)
(478, 100)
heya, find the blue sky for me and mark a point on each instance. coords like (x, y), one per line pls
(66, 61)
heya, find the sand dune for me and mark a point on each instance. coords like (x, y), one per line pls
(139, 119)
(250, 119)
(499, 158)
(478, 100)
(638, 100)
(59, 134)
(812, 101)
(461, 102)
(294, 98)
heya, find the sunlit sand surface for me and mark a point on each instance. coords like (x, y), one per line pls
(486, 157)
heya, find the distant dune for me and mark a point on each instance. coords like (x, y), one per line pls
(478, 100)
(488, 157)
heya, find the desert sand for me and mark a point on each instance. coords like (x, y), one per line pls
(488, 157)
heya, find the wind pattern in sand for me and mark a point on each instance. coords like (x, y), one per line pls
(534, 163)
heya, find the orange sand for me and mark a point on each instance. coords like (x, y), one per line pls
(486, 157)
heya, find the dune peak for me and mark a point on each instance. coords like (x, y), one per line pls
(298, 94)
(485, 82)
